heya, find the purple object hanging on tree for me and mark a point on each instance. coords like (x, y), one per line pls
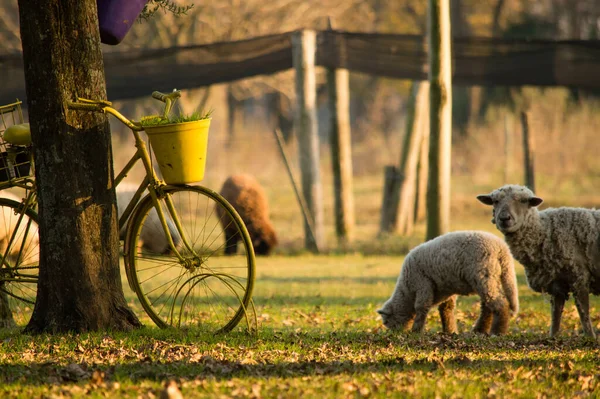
(116, 18)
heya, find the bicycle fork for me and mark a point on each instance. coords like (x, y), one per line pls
(175, 217)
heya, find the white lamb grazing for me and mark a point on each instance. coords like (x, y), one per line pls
(558, 247)
(458, 263)
(152, 236)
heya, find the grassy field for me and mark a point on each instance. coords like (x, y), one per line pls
(319, 337)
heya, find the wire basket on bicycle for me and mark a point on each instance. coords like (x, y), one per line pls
(19, 249)
(15, 143)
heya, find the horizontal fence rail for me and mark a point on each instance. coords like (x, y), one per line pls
(476, 61)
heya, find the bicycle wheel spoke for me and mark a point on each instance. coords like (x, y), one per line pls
(20, 256)
(191, 291)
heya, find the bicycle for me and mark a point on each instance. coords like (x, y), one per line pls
(191, 284)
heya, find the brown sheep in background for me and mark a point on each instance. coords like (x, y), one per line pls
(249, 199)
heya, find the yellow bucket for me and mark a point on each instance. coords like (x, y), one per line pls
(180, 150)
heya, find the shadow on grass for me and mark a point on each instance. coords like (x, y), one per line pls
(323, 354)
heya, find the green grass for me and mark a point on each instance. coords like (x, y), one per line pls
(319, 337)
(179, 118)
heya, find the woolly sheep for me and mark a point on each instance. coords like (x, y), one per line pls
(31, 250)
(248, 198)
(558, 247)
(152, 236)
(458, 263)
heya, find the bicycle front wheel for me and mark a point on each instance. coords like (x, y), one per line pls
(19, 254)
(203, 289)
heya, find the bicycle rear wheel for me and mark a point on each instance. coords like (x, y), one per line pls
(19, 268)
(206, 289)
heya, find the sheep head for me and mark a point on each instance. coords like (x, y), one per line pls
(395, 316)
(511, 204)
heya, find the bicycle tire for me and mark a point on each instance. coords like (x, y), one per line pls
(209, 291)
(19, 267)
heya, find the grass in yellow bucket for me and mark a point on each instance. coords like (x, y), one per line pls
(157, 120)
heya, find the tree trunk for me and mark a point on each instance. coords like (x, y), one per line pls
(79, 279)
(440, 119)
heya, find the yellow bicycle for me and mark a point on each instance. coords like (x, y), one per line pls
(187, 281)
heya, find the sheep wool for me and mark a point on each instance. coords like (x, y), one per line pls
(459, 263)
(152, 236)
(249, 199)
(558, 247)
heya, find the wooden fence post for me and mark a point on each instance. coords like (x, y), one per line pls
(303, 208)
(397, 208)
(231, 113)
(338, 89)
(304, 54)
(410, 160)
(421, 200)
(528, 153)
(440, 119)
(392, 180)
(507, 152)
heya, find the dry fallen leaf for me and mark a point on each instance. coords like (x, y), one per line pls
(97, 377)
(171, 391)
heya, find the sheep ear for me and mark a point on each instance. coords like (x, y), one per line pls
(485, 199)
(535, 201)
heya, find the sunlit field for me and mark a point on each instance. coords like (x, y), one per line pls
(318, 334)
(320, 337)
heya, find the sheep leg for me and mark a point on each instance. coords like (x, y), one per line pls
(446, 310)
(557, 303)
(501, 317)
(484, 322)
(423, 303)
(582, 302)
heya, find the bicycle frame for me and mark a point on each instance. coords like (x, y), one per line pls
(151, 182)
(26, 183)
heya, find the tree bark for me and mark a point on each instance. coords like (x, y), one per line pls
(79, 278)
(440, 119)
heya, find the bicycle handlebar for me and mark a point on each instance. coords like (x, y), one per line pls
(168, 99)
(164, 97)
(104, 106)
